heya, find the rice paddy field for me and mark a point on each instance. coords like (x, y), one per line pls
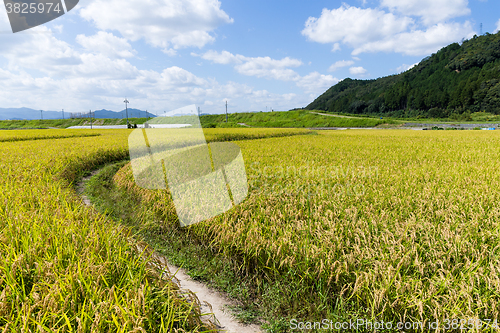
(375, 225)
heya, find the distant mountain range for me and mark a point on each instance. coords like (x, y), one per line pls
(31, 114)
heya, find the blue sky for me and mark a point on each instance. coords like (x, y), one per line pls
(165, 54)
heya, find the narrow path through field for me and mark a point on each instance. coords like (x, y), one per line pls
(211, 300)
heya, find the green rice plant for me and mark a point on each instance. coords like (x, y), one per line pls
(9, 136)
(65, 267)
(390, 225)
(234, 134)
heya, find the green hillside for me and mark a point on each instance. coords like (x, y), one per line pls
(294, 118)
(453, 83)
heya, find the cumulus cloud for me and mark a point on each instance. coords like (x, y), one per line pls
(44, 72)
(168, 24)
(269, 68)
(419, 42)
(353, 26)
(79, 81)
(374, 30)
(38, 50)
(430, 11)
(498, 27)
(315, 83)
(223, 57)
(107, 44)
(340, 64)
(357, 70)
(256, 66)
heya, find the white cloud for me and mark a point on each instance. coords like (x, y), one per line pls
(430, 11)
(498, 27)
(223, 57)
(100, 66)
(316, 83)
(405, 67)
(65, 78)
(58, 28)
(373, 30)
(267, 67)
(357, 70)
(419, 42)
(44, 72)
(340, 64)
(107, 44)
(38, 50)
(271, 68)
(353, 26)
(243, 98)
(256, 66)
(168, 24)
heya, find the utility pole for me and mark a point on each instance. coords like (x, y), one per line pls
(63, 114)
(41, 114)
(126, 108)
(226, 110)
(481, 33)
(90, 119)
(199, 112)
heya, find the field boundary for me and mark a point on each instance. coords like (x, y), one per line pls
(214, 305)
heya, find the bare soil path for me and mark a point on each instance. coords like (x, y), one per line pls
(212, 301)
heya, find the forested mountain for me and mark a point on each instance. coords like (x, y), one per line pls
(454, 82)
